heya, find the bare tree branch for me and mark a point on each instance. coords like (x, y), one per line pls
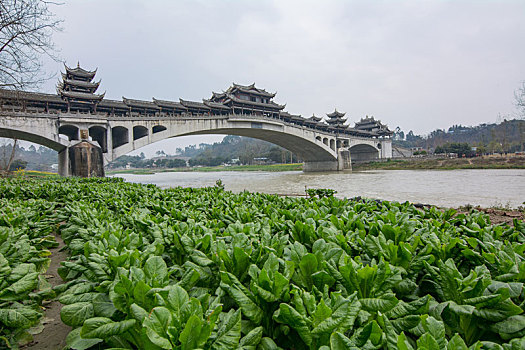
(519, 96)
(26, 28)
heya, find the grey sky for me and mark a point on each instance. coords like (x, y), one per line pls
(420, 65)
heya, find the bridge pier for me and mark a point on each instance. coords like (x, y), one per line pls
(343, 162)
(344, 159)
(83, 159)
(63, 162)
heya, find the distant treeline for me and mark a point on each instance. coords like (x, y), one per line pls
(508, 136)
(142, 162)
(245, 149)
(32, 158)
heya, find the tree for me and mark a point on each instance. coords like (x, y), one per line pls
(8, 154)
(26, 28)
(519, 96)
(17, 164)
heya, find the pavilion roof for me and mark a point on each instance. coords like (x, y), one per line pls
(81, 95)
(113, 104)
(250, 89)
(169, 104)
(335, 114)
(139, 103)
(80, 72)
(80, 83)
(30, 96)
(216, 105)
(314, 118)
(218, 95)
(271, 104)
(193, 104)
(373, 125)
(297, 118)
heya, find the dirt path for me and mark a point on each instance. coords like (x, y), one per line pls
(53, 337)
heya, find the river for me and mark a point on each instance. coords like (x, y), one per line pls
(446, 188)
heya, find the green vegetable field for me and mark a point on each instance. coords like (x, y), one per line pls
(205, 268)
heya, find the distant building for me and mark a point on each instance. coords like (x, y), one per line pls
(262, 161)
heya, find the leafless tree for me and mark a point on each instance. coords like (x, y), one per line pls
(6, 159)
(26, 28)
(520, 99)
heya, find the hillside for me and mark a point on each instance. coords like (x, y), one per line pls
(507, 136)
(244, 149)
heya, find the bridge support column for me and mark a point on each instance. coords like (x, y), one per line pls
(331, 165)
(344, 159)
(63, 162)
(86, 160)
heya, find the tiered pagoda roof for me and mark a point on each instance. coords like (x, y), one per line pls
(246, 96)
(336, 119)
(371, 125)
(78, 89)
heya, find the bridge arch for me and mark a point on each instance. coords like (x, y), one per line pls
(300, 141)
(363, 152)
(139, 131)
(120, 136)
(31, 137)
(70, 131)
(99, 133)
(158, 128)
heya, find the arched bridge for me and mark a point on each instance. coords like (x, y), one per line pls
(86, 128)
(117, 136)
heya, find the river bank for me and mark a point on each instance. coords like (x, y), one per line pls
(492, 162)
(489, 162)
(270, 168)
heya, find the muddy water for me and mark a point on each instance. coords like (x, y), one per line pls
(448, 188)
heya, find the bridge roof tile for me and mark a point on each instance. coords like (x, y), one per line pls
(80, 83)
(216, 105)
(169, 104)
(77, 71)
(193, 104)
(81, 95)
(31, 96)
(271, 104)
(139, 103)
(251, 89)
(335, 114)
(113, 104)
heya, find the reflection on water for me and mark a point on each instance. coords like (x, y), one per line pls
(449, 188)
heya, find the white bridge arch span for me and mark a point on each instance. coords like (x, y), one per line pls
(304, 142)
(117, 136)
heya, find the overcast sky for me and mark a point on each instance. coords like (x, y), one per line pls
(420, 65)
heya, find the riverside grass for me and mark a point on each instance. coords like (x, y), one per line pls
(188, 268)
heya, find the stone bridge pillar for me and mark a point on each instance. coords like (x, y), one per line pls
(83, 159)
(344, 159)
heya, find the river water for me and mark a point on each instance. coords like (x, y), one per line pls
(447, 188)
